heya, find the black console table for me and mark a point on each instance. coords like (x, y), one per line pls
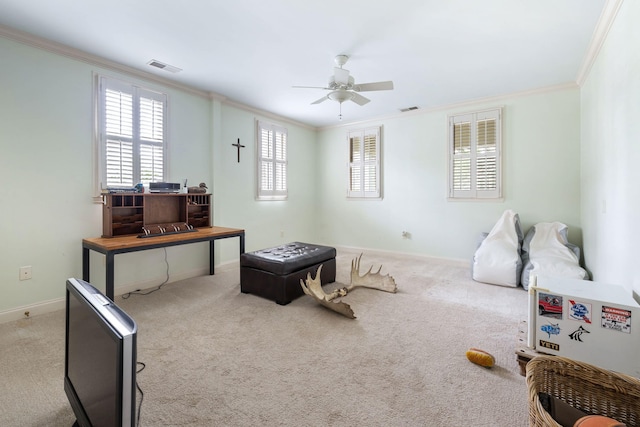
(111, 246)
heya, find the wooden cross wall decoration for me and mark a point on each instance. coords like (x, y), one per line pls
(239, 147)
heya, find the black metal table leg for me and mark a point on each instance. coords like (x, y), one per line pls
(110, 274)
(212, 253)
(85, 264)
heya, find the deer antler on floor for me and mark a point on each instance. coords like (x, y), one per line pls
(370, 280)
(313, 287)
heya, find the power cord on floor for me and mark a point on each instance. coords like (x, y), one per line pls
(139, 292)
(141, 392)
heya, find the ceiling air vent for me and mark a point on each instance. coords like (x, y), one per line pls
(163, 66)
(404, 110)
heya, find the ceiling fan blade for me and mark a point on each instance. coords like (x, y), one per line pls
(341, 76)
(366, 87)
(324, 98)
(359, 99)
(310, 87)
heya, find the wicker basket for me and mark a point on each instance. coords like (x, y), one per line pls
(586, 387)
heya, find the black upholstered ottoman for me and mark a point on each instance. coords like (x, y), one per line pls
(275, 273)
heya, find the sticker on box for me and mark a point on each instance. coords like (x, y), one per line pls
(616, 319)
(550, 305)
(580, 311)
(549, 345)
(551, 329)
(577, 334)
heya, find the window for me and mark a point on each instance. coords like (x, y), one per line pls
(364, 163)
(475, 150)
(272, 162)
(131, 133)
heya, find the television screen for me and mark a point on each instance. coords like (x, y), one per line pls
(100, 358)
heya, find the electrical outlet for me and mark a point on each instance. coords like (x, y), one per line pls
(25, 272)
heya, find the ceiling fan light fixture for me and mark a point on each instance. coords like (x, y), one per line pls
(340, 96)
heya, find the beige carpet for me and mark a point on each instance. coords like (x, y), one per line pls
(217, 357)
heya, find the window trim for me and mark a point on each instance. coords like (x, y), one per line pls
(101, 83)
(364, 194)
(475, 194)
(273, 194)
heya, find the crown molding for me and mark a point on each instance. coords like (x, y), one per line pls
(599, 36)
(267, 114)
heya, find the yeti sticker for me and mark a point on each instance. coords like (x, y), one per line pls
(549, 345)
(580, 311)
(617, 319)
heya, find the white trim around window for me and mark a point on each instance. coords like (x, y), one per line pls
(365, 165)
(271, 165)
(131, 134)
(475, 155)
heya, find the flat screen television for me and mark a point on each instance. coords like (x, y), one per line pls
(100, 358)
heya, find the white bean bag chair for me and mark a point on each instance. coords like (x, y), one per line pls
(547, 251)
(497, 259)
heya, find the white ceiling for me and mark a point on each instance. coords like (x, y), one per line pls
(437, 52)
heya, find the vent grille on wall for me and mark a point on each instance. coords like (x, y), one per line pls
(164, 66)
(404, 110)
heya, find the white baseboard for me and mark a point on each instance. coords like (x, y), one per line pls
(150, 284)
(402, 254)
(28, 311)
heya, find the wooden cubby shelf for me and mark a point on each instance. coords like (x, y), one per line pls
(124, 214)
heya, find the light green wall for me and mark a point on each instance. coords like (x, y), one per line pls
(541, 180)
(610, 133)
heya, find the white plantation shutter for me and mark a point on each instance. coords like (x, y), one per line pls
(487, 154)
(364, 163)
(355, 161)
(272, 161)
(462, 154)
(132, 133)
(119, 138)
(475, 152)
(151, 140)
(280, 163)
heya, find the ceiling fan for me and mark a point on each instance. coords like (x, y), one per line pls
(344, 88)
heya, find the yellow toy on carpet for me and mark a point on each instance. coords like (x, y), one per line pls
(481, 357)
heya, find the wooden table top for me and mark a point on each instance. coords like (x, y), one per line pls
(133, 241)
